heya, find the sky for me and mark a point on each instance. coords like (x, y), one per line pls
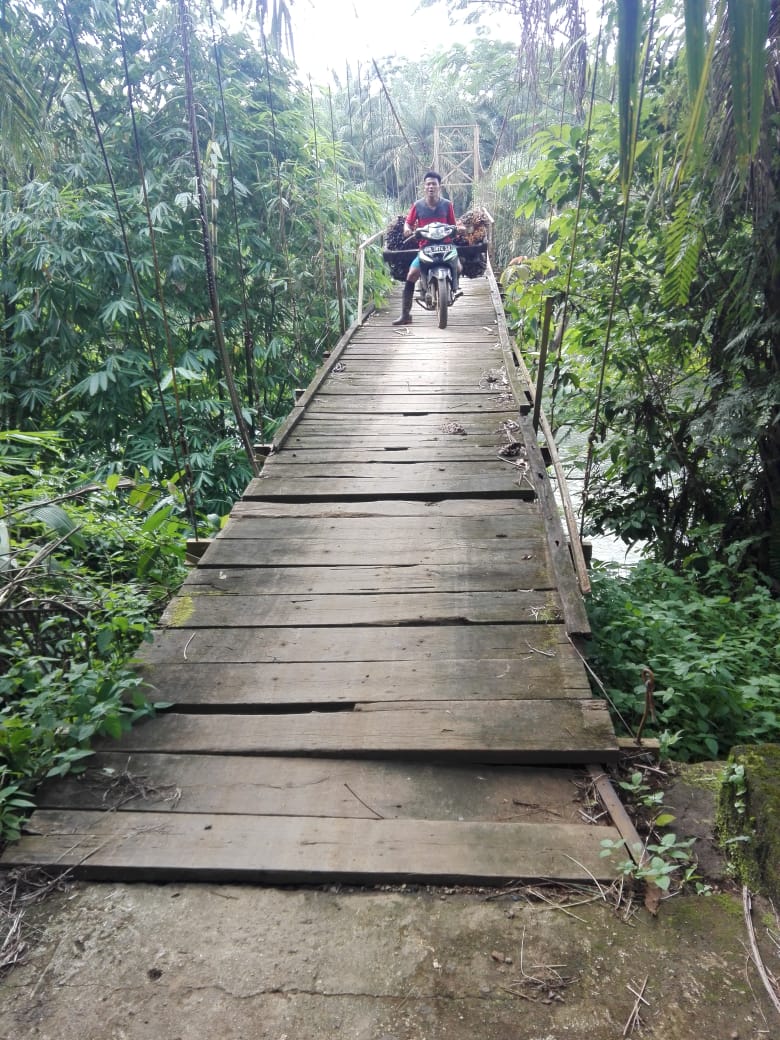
(328, 33)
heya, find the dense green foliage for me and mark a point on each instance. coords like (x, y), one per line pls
(669, 295)
(85, 568)
(714, 650)
(108, 334)
(657, 235)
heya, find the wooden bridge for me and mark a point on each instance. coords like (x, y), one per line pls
(375, 669)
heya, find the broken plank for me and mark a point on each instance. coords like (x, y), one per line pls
(409, 642)
(202, 607)
(421, 485)
(516, 732)
(390, 468)
(339, 788)
(517, 508)
(459, 450)
(203, 686)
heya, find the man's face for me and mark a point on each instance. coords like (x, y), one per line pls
(432, 191)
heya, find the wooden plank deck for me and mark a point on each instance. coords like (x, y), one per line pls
(375, 669)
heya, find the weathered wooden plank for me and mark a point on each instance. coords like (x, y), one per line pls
(421, 485)
(438, 370)
(197, 685)
(160, 846)
(424, 322)
(414, 374)
(452, 431)
(405, 428)
(404, 404)
(376, 434)
(344, 789)
(202, 607)
(416, 423)
(335, 551)
(411, 420)
(457, 470)
(522, 511)
(440, 528)
(428, 454)
(409, 385)
(463, 352)
(315, 438)
(460, 346)
(408, 389)
(260, 580)
(408, 643)
(521, 732)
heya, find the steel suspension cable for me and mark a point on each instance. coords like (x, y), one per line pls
(320, 230)
(211, 281)
(575, 234)
(616, 273)
(249, 355)
(143, 324)
(412, 152)
(337, 258)
(280, 199)
(361, 110)
(189, 490)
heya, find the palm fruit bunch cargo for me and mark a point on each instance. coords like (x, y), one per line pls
(477, 224)
(473, 242)
(394, 239)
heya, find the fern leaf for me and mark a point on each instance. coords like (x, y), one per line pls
(683, 241)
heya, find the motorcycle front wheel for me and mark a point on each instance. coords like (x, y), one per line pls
(442, 303)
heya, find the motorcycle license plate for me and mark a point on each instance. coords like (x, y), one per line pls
(438, 250)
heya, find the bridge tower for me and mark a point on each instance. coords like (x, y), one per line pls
(456, 157)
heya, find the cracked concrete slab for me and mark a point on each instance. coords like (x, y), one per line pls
(185, 962)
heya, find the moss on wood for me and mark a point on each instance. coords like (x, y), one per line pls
(749, 816)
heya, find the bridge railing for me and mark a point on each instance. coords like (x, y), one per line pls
(362, 271)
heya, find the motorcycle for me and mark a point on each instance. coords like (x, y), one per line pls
(437, 287)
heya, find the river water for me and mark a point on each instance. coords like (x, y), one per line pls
(572, 449)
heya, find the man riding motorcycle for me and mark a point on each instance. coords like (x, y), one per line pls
(427, 210)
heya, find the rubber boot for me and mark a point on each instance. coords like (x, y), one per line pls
(406, 305)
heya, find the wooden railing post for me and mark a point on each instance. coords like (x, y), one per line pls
(548, 308)
(362, 272)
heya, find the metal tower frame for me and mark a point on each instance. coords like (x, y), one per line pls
(456, 156)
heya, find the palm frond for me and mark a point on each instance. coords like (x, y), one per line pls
(695, 30)
(628, 50)
(748, 22)
(758, 64)
(696, 54)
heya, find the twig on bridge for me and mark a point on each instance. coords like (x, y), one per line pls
(370, 808)
(536, 650)
(633, 1019)
(546, 985)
